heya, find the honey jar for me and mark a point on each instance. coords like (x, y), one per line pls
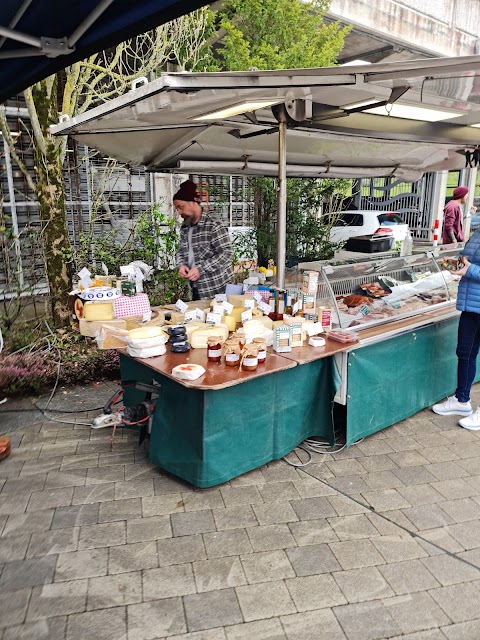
(214, 348)
(231, 353)
(249, 361)
(262, 349)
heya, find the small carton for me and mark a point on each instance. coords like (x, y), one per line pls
(282, 339)
(309, 303)
(325, 317)
(310, 281)
(297, 334)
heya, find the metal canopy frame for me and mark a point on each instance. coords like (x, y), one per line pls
(157, 124)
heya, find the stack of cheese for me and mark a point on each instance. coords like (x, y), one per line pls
(146, 342)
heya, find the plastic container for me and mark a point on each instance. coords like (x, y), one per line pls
(343, 336)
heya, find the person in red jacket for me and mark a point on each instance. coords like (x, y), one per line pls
(452, 231)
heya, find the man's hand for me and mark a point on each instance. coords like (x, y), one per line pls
(463, 270)
(193, 274)
(183, 271)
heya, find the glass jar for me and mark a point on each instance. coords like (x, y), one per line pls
(262, 349)
(214, 348)
(249, 361)
(231, 353)
(240, 338)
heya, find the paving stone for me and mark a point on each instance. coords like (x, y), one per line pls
(439, 454)
(213, 609)
(314, 592)
(184, 524)
(408, 458)
(306, 626)
(81, 564)
(120, 510)
(227, 543)
(458, 601)
(450, 570)
(75, 516)
(14, 547)
(345, 467)
(93, 493)
(354, 554)
(373, 447)
(403, 443)
(265, 600)
(470, 465)
(102, 535)
(360, 585)
(141, 471)
(111, 458)
(349, 485)
(455, 489)
(169, 484)
(70, 478)
(398, 548)
(267, 566)
(415, 612)
(278, 471)
(463, 630)
(57, 541)
(310, 532)
(45, 629)
(260, 630)
(374, 464)
(277, 512)
(466, 533)
(352, 527)
(132, 557)
(60, 598)
(26, 484)
(430, 634)
(312, 488)
(345, 506)
(234, 518)
(11, 468)
(154, 528)
(109, 624)
(208, 634)
(278, 491)
(27, 573)
(428, 516)
(251, 477)
(134, 489)
(366, 621)
(105, 474)
(219, 573)
(438, 541)
(114, 590)
(180, 550)
(462, 510)
(312, 559)
(49, 498)
(13, 605)
(11, 504)
(162, 505)
(420, 494)
(385, 500)
(414, 475)
(205, 499)
(446, 470)
(313, 508)
(381, 480)
(168, 582)
(79, 462)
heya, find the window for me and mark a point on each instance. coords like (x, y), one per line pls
(349, 220)
(390, 218)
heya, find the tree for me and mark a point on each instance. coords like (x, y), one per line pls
(86, 84)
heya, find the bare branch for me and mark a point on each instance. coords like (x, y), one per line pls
(7, 137)
(32, 112)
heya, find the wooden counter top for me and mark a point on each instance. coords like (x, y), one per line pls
(302, 355)
(217, 376)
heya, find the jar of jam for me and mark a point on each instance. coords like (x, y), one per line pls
(231, 353)
(214, 350)
(262, 349)
(240, 338)
(249, 361)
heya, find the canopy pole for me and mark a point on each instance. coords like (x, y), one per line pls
(282, 197)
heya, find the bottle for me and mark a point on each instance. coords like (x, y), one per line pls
(407, 245)
(280, 306)
(288, 306)
(271, 304)
(299, 301)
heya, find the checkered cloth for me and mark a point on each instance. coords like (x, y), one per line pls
(212, 252)
(131, 305)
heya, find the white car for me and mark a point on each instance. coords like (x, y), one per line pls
(351, 224)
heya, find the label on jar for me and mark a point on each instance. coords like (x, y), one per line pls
(250, 362)
(214, 353)
(232, 357)
(262, 355)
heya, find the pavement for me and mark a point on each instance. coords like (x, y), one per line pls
(381, 540)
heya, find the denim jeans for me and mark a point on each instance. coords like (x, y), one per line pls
(467, 351)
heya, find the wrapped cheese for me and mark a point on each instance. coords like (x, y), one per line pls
(98, 311)
(145, 332)
(112, 337)
(199, 337)
(146, 352)
(188, 371)
(93, 328)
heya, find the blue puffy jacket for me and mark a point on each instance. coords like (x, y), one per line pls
(468, 298)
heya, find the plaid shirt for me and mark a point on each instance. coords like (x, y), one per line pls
(213, 255)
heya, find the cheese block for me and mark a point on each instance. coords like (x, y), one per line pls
(237, 313)
(199, 337)
(188, 371)
(267, 322)
(277, 323)
(230, 322)
(93, 328)
(98, 311)
(175, 318)
(190, 327)
(239, 301)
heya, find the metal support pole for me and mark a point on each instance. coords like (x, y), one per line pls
(281, 198)
(13, 214)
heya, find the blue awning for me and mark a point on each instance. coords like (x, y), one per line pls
(40, 37)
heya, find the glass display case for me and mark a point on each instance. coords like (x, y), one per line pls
(378, 291)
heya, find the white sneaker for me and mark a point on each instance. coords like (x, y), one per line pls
(472, 422)
(452, 407)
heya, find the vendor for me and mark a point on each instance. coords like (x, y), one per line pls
(204, 255)
(452, 217)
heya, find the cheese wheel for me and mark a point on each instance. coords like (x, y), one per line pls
(145, 332)
(78, 308)
(98, 311)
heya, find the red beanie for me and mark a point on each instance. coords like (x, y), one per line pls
(187, 192)
(459, 192)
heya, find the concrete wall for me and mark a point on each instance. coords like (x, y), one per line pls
(438, 27)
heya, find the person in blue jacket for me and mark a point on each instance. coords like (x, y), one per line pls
(468, 343)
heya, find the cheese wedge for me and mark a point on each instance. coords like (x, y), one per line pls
(98, 311)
